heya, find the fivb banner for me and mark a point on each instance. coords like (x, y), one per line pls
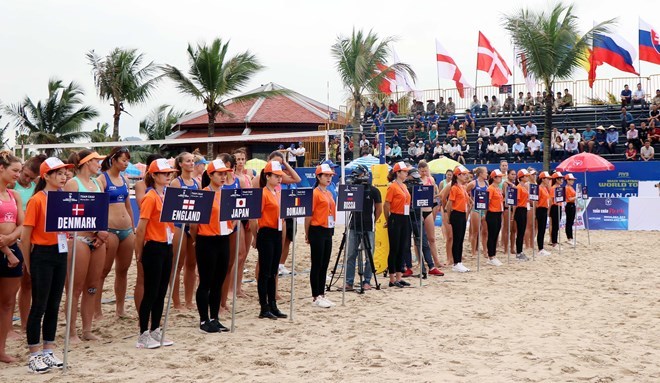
(76, 211)
(187, 206)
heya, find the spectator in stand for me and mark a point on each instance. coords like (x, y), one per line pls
(388, 151)
(421, 134)
(465, 151)
(462, 133)
(498, 130)
(654, 114)
(564, 135)
(452, 120)
(410, 135)
(475, 106)
(441, 108)
(520, 132)
(483, 132)
(554, 134)
(364, 141)
(647, 152)
(385, 113)
(437, 150)
(557, 149)
(485, 106)
(393, 108)
(481, 151)
(631, 152)
(556, 102)
(538, 101)
(491, 155)
(566, 101)
(454, 149)
(571, 147)
(368, 112)
(633, 136)
(432, 119)
(433, 133)
(510, 132)
(412, 151)
(520, 103)
(419, 106)
(501, 150)
(535, 149)
(418, 121)
(518, 152)
(451, 133)
(626, 119)
(509, 105)
(656, 99)
(589, 140)
(638, 97)
(445, 147)
(626, 96)
(451, 107)
(396, 152)
(428, 152)
(601, 140)
(470, 121)
(529, 104)
(643, 132)
(430, 107)
(576, 135)
(396, 137)
(612, 139)
(531, 130)
(654, 132)
(494, 107)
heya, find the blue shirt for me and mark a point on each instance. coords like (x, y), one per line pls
(627, 117)
(626, 94)
(519, 147)
(612, 136)
(588, 135)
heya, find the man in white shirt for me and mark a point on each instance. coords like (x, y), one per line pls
(484, 132)
(571, 147)
(300, 155)
(534, 147)
(531, 130)
(647, 152)
(518, 151)
(510, 132)
(291, 155)
(501, 150)
(638, 97)
(498, 130)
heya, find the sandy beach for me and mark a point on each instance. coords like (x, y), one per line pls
(591, 314)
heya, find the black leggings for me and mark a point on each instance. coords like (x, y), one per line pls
(48, 273)
(269, 246)
(458, 223)
(156, 265)
(542, 221)
(398, 234)
(494, 223)
(570, 219)
(212, 253)
(555, 210)
(520, 216)
(320, 243)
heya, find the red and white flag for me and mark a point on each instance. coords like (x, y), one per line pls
(403, 80)
(489, 61)
(388, 83)
(77, 209)
(448, 69)
(522, 63)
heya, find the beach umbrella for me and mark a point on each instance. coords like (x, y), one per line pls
(255, 164)
(142, 167)
(367, 161)
(442, 164)
(133, 171)
(171, 161)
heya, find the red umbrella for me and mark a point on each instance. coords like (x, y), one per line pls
(585, 162)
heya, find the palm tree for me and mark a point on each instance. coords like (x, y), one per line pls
(213, 77)
(121, 78)
(158, 125)
(101, 134)
(4, 130)
(553, 48)
(357, 58)
(58, 119)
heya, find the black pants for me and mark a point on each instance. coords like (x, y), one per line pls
(570, 219)
(494, 223)
(520, 216)
(458, 223)
(320, 243)
(48, 273)
(157, 266)
(212, 253)
(398, 234)
(269, 246)
(542, 221)
(555, 210)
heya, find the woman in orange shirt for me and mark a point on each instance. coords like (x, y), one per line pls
(520, 214)
(555, 208)
(494, 215)
(268, 240)
(45, 259)
(570, 206)
(397, 222)
(319, 229)
(458, 206)
(542, 207)
(211, 243)
(153, 248)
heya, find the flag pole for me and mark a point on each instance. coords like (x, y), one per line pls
(476, 72)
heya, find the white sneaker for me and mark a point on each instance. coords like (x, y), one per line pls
(51, 360)
(522, 257)
(36, 365)
(544, 253)
(322, 303)
(157, 335)
(281, 270)
(331, 303)
(459, 268)
(146, 341)
(494, 262)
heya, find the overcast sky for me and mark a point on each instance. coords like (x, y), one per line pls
(48, 39)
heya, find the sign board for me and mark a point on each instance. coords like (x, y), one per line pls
(76, 211)
(423, 196)
(240, 204)
(585, 193)
(350, 198)
(506, 89)
(296, 203)
(187, 206)
(533, 192)
(560, 194)
(481, 199)
(512, 196)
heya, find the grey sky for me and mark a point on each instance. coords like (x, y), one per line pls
(44, 39)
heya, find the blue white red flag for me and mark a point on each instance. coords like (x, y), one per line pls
(649, 43)
(611, 48)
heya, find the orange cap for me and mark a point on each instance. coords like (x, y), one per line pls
(401, 166)
(217, 166)
(544, 175)
(89, 157)
(460, 170)
(324, 169)
(557, 175)
(496, 173)
(160, 166)
(569, 176)
(52, 163)
(274, 167)
(522, 173)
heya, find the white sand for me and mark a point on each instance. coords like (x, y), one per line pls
(589, 315)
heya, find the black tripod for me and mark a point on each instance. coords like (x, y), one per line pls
(364, 245)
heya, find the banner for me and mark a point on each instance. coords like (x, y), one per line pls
(239, 204)
(187, 206)
(76, 211)
(607, 214)
(382, 245)
(296, 203)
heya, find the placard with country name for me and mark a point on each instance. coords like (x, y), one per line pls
(533, 192)
(585, 194)
(511, 196)
(560, 193)
(187, 206)
(422, 196)
(296, 203)
(481, 199)
(76, 211)
(350, 198)
(239, 204)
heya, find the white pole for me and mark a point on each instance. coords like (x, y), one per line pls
(421, 239)
(326, 140)
(508, 240)
(172, 287)
(233, 299)
(293, 267)
(479, 243)
(69, 303)
(586, 210)
(559, 227)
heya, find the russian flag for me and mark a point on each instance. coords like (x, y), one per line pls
(610, 48)
(649, 43)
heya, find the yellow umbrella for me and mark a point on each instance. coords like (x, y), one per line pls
(442, 164)
(255, 164)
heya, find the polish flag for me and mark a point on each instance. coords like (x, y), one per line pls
(491, 62)
(388, 83)
(448, 69)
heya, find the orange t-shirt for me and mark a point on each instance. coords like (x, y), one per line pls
(151, 207)
(323, 207)
(35, 216)
(544, 197)
(398, 197)
(570, 194)
(213, 227)
(270, 210)
(459, 198)
(495, 198)
(523, 195)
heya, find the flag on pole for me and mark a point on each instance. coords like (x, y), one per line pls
(403, 80)
(530, 81)
(388, 83)
(590, 64)
(649, 43)
(489, 61)
(448, 69)
(611, 48)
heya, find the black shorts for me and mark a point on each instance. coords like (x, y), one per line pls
(289, 228)
(426, 214)
(11, 272)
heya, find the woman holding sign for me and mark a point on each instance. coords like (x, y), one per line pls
(268, 240)
(542, 207)
(479, 184)
(494, 215)
(45, 259)
(397, 222)
(319, 229)
(153, 248)
(212, 250)
(90, 248)
(520, 214)
(555, 208)
(570, 206)
(445, 186)
(458, 206)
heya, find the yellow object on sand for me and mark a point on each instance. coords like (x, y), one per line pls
(382, 245)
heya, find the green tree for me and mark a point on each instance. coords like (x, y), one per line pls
(553, 48)
(158, 125)
(57, 119)
(213, 78)
(357, 58)
(121, 78)
(101, 134)
(4, 130)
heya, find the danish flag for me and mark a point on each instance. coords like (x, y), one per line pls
(491, 62)
(78, 209)
(188, 204)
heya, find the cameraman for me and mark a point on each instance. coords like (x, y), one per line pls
(361, 226)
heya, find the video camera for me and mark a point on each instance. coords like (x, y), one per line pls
(359, 176)
(414, 178)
